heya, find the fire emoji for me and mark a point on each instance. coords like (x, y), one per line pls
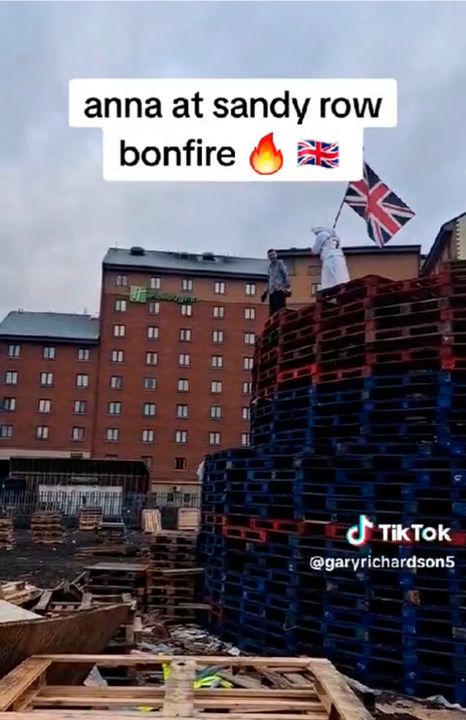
(265, 158)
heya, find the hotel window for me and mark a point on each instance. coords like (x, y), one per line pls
(218, 311)
(112, 435)
(217, 361)
(44, 406)
(216, 386)
(249, 313)
(148, 436)
(248, 363)
(152, 333)
(153, 308)
(214, 438)
(116, 382)
(155, 283)
(6, 431)
(11, 377)
(149, 410)
(180, 463)
(315, 287)
(42, 432)
(121, 280)
(120, 305)
(79, 407)
(219, 288)
(244, 438)
(114, 408)
(246, 413)
(84, 354)
(182, 411)
(250, 289)
(14, 351)
(152, 358)
(119, 331)
(46, 379)
(187, 284)
(217, 336)
(150, 383)
(77, 434)
(9, 404)
(185, 335)
(186, 310)
(82, 381)
(118, 356)
(247, 388)
(184, 360)
(48, 353)
(215, 412)
(183, 385)
(181, 436)
(249, 338)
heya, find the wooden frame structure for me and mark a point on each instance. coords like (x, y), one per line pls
(262, 689)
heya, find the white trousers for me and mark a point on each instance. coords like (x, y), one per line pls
(334, 271)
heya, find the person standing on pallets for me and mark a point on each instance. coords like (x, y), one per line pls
(279, 284)
(334, 269)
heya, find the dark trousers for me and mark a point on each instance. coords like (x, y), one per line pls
(277, 301)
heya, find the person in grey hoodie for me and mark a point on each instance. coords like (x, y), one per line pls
(279, 284)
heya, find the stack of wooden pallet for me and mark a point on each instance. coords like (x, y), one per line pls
(113, 578)
(172, 576)
(90, 518)
(47, 527)
(111, 533)
(7, 533)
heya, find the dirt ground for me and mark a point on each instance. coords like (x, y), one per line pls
(47, 565)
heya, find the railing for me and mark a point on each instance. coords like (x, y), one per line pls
(21, 504)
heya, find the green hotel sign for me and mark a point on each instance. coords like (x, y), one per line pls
(143, 294)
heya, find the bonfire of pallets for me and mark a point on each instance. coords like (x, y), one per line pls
(47, 527)
(107, 578)
(7, 533)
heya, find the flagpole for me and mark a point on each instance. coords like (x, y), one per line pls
(339, 210)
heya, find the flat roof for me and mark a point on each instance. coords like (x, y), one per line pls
(210, 264)
(50, 326)
(175, 262)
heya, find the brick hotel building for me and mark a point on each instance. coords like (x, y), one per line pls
(164, 373)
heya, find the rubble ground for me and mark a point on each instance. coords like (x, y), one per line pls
(47, 565)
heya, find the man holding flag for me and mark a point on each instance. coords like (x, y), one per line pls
(328, 245)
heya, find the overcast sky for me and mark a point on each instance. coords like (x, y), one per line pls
(57, 215)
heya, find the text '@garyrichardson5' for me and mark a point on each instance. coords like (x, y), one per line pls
(318, 562)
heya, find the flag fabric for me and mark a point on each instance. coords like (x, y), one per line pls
(384, 212)
(315, 152)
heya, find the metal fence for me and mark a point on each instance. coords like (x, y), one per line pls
(21, 504)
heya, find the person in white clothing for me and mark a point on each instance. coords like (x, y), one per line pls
(334, 270)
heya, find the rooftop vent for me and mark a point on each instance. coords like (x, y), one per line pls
(208, 256)
(137, 251)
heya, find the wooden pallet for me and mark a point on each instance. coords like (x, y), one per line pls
(188, 519)
(90, 518)
(7, 533)
(151, 521)
(19, 592)
(262, 689)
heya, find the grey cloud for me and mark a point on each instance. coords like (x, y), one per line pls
(57, 214)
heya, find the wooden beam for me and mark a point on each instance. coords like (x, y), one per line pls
(178, 700)
(337, 697)
(19, 680)
(286, 663)
(97, 715)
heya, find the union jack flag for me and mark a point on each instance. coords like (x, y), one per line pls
(315, 152)
(384, 212)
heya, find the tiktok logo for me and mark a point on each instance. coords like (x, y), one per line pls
(359, 534)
